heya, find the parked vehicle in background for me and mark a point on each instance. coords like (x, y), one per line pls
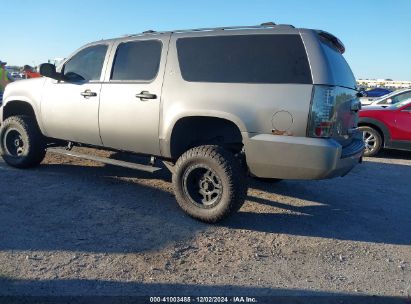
(15, 75)
(214, 104)
(370, 95)
(393, 98)
(29, 72)
(386, 126)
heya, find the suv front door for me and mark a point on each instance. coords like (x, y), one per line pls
(70, 108)
(131, 94)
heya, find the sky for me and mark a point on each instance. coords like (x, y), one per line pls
(376, 33)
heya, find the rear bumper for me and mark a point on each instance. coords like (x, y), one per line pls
(289, 157)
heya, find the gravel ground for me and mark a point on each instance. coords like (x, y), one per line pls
(73, 227)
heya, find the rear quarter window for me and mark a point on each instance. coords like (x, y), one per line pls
(340, 70)
(244, 59)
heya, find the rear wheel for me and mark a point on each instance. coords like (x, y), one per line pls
(209, 183)
(372, 140)
(21, 143)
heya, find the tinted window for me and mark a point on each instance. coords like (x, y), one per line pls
(244, 59)
(86, 65)
(340, 69)
(403, 97)
(138, 60)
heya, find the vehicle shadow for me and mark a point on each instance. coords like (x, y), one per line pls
(108, 209)
(394, 154)
(88, 208)
(371, 204)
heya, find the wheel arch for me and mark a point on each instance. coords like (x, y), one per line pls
(18, 107)
(378, 126)
(192, 130)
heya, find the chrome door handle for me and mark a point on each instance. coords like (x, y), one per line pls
(146, 95)
(88, 93)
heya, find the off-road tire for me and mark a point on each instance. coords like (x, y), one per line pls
(376, 143)
(224, 168)
(33, 147)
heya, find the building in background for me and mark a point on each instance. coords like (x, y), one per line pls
(383, 83)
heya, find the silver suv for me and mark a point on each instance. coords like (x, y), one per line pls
(216, 105)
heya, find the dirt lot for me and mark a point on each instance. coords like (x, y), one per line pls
(73, 227)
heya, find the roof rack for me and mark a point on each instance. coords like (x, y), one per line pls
(269, 24)
(225, 28)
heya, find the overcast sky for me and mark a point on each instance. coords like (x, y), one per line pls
(376, 33)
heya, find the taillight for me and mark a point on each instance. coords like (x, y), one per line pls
(322, 118)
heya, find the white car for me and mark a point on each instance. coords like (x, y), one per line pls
(366, 101)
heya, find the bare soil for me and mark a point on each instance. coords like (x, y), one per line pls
(74, 227)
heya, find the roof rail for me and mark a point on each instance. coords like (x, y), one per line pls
(261, 26)
(224, 28)
(269, 23)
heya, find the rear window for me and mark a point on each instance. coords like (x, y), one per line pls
(340, 70)
(244, 59)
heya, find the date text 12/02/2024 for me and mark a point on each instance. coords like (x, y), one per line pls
(240, 299)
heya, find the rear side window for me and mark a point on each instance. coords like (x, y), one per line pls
(137, 60)
(340, 69)
(86, 65)
(244, 59)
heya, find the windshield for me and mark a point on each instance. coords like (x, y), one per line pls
(396, 96)
(401, 103)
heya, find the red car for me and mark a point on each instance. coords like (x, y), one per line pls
(386, 126)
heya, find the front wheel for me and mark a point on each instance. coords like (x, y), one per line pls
(209, 183)
(21, 143)
(372, 141)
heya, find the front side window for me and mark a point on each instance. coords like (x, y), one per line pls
(244, 59)
(137, 60)
(86, 65)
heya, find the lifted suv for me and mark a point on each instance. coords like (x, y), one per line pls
(271, 101)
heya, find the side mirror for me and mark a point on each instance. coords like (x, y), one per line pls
(49, 70)
(389, 101)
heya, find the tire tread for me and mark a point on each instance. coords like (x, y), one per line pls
(36, 143)
(234, 173)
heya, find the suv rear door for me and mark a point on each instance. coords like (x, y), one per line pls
(335, 91)
(131, 94)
